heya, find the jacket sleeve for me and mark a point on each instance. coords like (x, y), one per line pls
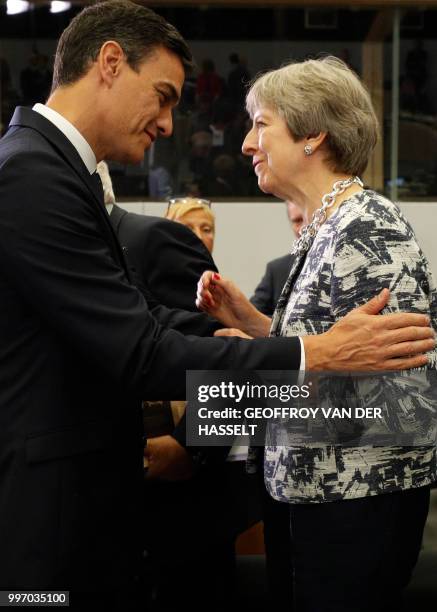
(184, 321)
(262, 298)
(168, 256)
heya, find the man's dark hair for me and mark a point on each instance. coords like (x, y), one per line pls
(137, 29)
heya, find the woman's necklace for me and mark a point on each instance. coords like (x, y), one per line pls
(308, 232)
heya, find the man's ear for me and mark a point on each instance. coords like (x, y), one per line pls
(315, 140)
(109, 61)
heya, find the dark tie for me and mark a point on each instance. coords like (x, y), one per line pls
(98, 187)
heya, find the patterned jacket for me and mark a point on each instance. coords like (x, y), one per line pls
(364, 246)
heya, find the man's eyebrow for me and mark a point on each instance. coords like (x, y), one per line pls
(171, 93)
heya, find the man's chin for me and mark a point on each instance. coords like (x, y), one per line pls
(132, 158)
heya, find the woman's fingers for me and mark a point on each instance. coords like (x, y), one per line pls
(205, 280)
(205, 301)
(204, 298)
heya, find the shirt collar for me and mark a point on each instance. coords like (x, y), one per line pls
(71, 133)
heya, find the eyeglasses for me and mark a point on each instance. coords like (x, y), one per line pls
(198, 201)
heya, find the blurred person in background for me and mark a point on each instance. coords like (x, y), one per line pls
(35, 79)
(200, 159)
(269, 289)
(238, 79)
(196, 214)
(8, 96)
(209, 84)
(225, 183)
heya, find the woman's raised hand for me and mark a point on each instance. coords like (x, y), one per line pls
(224, 301)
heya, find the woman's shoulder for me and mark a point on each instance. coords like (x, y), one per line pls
(368, 206)
(370, 214)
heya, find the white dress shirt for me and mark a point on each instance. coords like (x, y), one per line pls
(71, 133)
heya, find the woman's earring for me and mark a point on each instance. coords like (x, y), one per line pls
(308, 149)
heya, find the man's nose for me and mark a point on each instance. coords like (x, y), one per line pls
(165, 123)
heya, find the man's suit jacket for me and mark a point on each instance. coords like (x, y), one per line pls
(78, 350)
(268, 291)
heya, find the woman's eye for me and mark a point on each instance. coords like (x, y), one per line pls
(207, 229)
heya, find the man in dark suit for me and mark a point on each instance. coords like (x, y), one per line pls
(269, 289)
(186, 565)
(79, 347)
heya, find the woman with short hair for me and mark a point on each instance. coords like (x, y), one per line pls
(196, 214)
(343, 525)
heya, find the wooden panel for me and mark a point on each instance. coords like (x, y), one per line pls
(381, 27)
(373, 77)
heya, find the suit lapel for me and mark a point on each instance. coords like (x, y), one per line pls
(278, 316)
(25, 117)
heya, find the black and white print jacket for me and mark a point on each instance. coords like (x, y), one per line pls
(364, 246)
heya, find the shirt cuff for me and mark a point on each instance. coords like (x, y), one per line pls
(302, 356)
(301, 377)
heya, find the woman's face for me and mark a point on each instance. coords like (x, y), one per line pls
(276, 157)
(200, 223)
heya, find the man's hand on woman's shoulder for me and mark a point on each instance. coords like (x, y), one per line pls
(362, 341)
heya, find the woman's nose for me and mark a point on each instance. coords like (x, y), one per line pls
(250, 143)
